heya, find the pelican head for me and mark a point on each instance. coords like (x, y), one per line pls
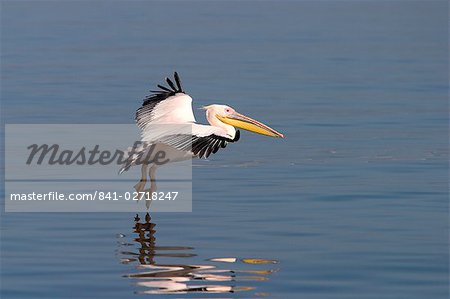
(229, 116)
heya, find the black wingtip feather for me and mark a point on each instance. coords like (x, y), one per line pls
(201, 154)
(178, 81)
(171, 84)
(164, 88)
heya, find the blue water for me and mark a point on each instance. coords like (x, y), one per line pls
(353, 203)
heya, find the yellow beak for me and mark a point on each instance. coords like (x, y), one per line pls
(244, 122)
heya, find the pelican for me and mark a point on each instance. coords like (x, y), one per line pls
(165, 113)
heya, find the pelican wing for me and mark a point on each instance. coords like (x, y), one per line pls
(169, 105)
(203, 141)
(202, 147)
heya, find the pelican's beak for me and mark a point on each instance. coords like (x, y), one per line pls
(244, 122)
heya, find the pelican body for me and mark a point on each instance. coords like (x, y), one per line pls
(170, 107)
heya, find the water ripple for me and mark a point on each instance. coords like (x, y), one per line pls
(152, 277)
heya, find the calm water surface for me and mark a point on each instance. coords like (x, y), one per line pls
(353, 203)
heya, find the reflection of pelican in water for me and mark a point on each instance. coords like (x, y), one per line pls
(159, 278)
(167, 122)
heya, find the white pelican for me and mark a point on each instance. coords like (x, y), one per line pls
(172, 106)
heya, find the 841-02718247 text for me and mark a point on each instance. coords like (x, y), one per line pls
(138, 195)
